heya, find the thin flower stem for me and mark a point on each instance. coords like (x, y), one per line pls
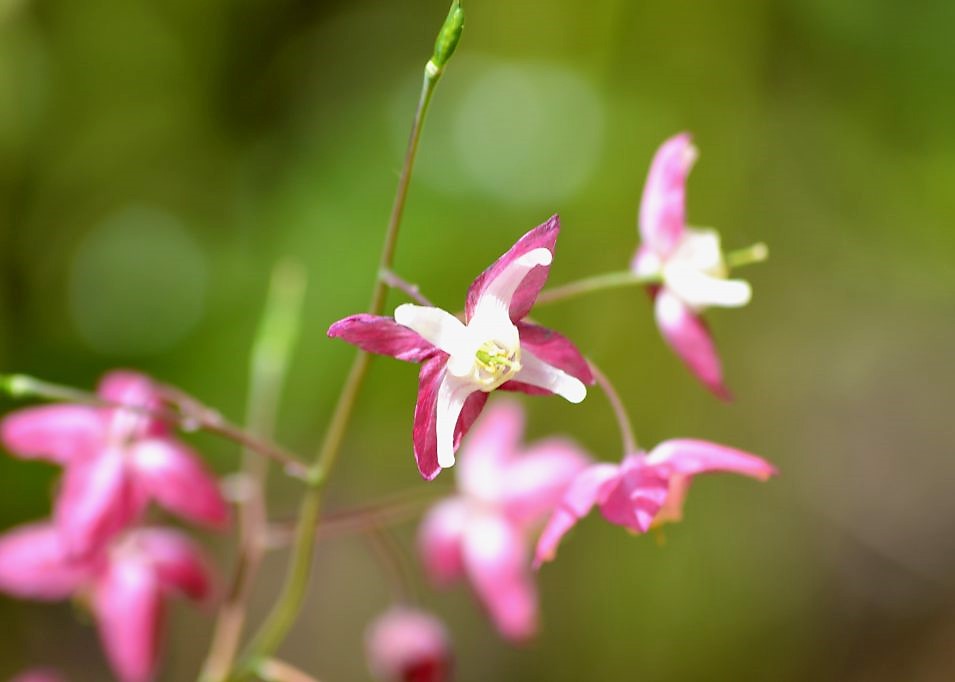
(273, 670)
(268, 369)
(190, 415)
(620, 412)
(289, 603)
(389, 555)
(756, 253)
(412, 291)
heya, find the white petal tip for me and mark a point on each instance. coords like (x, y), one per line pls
(539, 256)
(574, 391)
(404, 314)
(446, 460)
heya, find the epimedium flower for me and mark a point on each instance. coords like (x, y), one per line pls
(408, 645)
(125, 585)
(484, 532)
(116, 460)
(688, 261)
(493, 348)
(644, 490)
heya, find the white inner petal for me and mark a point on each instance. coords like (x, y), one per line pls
(699, 289)
(435, 325)
(536, 372)
(452, 393)
(500, 290)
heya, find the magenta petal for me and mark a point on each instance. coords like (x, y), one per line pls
(542, 236)
(555, 349)
(534, 483)
(34, 564)
(128, 605)
(490, 446)
(169, 472)
(426, 415)
(662, 209)
(407, 645)
(639, 494)
(690, 457)
(497, 563)
(60, 433)
(136, 390)
(97, 500)
(383, 336)
(177, 561)
(439, 540)
(586, 490)
(688, 336)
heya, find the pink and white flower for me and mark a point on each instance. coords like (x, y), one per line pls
(493, 348)
(645, 489)
(116, 461)
(408, 645)
(689, 262)
(125, 585)
(504, 492)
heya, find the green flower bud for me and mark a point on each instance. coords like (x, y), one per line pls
(449, 36)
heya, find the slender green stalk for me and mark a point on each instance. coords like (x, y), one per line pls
(756, 253)
(268, 369)
(286, 608)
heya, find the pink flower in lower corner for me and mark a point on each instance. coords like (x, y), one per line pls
(645, 489)
(493, 348)
(408, 645)
(483, 532)
(116, 461)
(125, 585)
(689, 261)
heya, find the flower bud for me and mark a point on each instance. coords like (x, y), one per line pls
(407, 645)
(449, 36)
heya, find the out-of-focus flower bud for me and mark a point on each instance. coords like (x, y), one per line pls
(407, 645)
(449, 36)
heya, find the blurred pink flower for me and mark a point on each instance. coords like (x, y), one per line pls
(503, 492)
(116, 461)
(689, 261)
(125, 585)
(39, 675)
(644, 490)
(407, 645)
(493, 348)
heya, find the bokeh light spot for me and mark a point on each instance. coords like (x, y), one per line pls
(137, 284)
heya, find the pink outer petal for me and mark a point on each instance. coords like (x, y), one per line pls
(490, 446)
(662, 209)
(59, 433)
(136, 390)
(172, 474)
(176, 560)
(542, 236)
(555, 349)
(97, 500)
(689, 457)
(687, 335)
(439, 540)
(534, 483)
(636, 498)
(128, 605)
(584, 492)
(384, 336)
(498, 566)
(426, 414)
(34, 564)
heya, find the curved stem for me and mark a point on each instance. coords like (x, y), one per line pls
(756, 253)
(287, 607)
(189, 415)
(620, 412)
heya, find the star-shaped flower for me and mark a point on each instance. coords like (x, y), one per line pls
(493, 348)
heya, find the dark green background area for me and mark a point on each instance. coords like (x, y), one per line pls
(157, 158)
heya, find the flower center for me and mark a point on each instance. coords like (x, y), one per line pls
(494, 364)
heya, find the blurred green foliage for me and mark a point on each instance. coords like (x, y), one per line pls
(156, 158)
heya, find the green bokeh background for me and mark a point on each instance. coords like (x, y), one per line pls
(157, 158)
